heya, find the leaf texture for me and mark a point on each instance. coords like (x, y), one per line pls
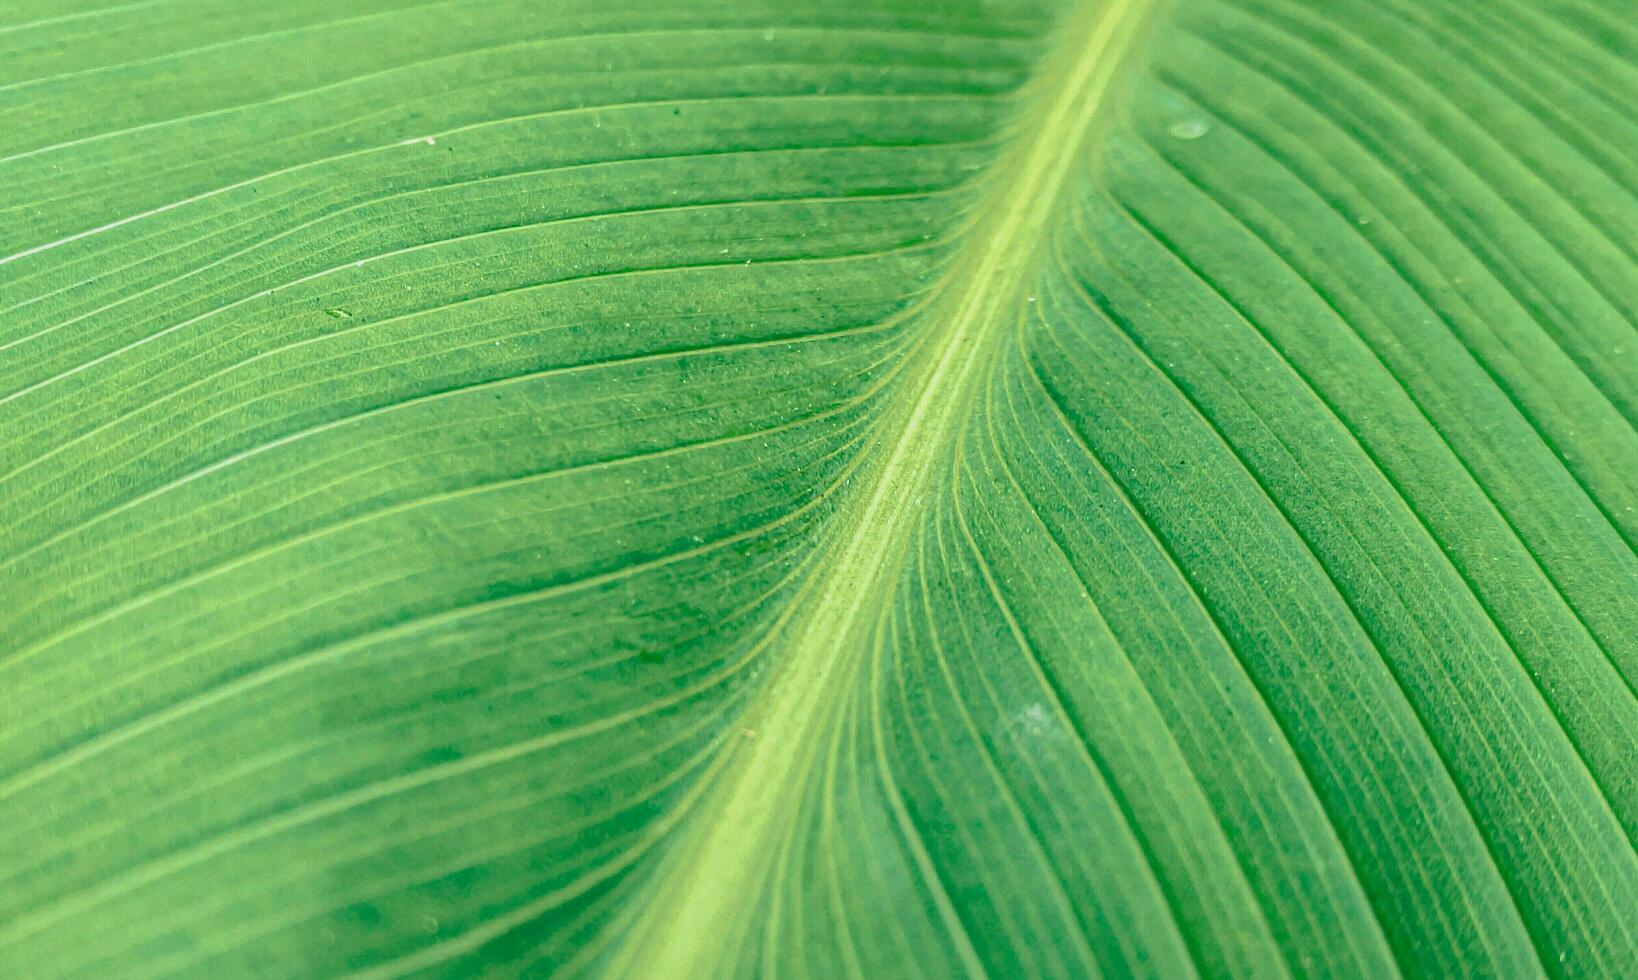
(887, 488)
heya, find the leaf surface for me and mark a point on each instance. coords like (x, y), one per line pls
(872, 489)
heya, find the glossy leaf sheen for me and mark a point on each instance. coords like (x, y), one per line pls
(888, 488)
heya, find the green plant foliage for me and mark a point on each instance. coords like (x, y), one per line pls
(884, 488)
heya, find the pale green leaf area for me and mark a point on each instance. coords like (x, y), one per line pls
(876, 488)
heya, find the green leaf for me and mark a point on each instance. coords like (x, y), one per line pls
(883, 488)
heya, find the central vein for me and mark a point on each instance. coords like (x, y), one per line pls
(983, 293)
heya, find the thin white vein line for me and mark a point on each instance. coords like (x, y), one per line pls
(486, 49)
(1070, 912)
(1277, 720)
(519, 798)
(163, 867)
(370, 325)
(354, 446)
(887, 324)
(432, 189)
(1498, 147)
(82, 15)
(142, 725)
(471, 127)
(884, 325)
(580, 281)
(1357, 626)
(713, 747)
(1412, 399)
(149, 597)
(1575, 359)
(860, 399)
(493, 928)
(149, 723)
(375, 585)
(1442, 549)
(476, 937)
(227, 43)
(966, 953)
(1049, 689)
(1152, 706)
(419, 400)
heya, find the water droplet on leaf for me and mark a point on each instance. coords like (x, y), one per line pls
(1189, 129)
